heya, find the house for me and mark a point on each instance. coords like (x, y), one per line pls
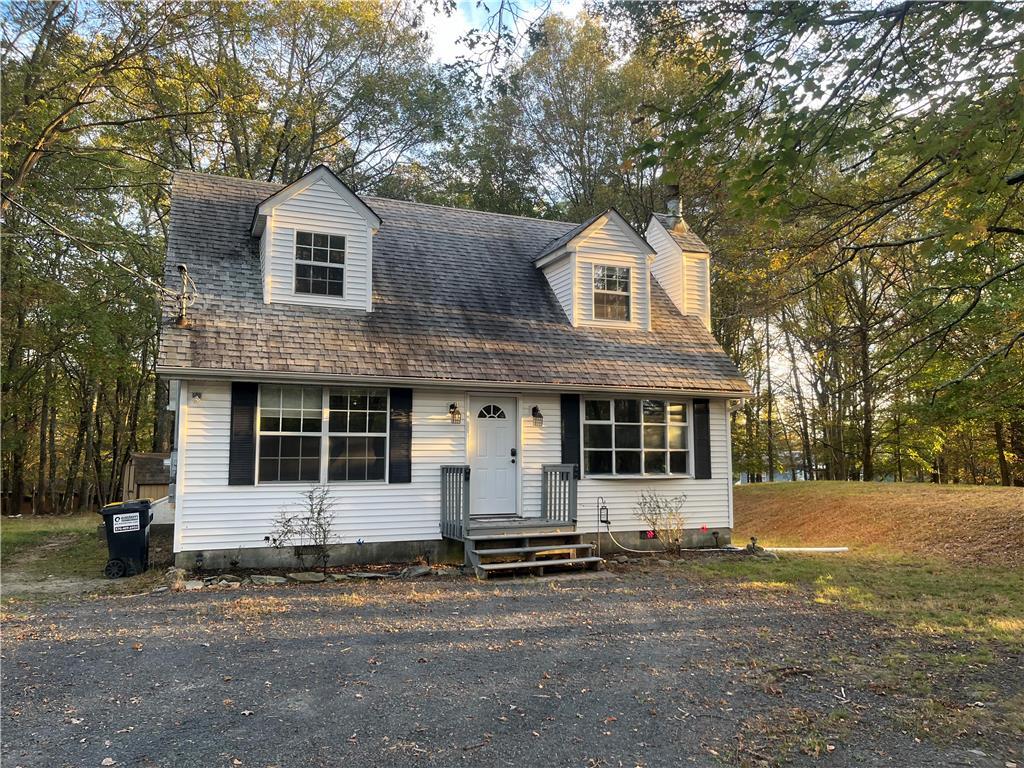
(462, 381)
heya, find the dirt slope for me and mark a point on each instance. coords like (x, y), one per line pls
(959, 523)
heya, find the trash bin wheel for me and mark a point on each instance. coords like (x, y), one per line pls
(115, 569)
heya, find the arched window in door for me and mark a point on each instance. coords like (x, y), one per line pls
(491, 411)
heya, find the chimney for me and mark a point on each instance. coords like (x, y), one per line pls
(674, 203)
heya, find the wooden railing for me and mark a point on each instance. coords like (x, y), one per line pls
(558, 493)
(454, 500)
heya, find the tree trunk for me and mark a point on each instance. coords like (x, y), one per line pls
(1017, 448)
(41, 492)
(768, 374)
(1004, 465)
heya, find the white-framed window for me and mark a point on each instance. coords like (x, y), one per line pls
(321, 434)
(629, 436)
(611, 293)
(357, 447)
(320, 264)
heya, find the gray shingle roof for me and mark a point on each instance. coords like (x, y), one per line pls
(687, 240)
(456, 297)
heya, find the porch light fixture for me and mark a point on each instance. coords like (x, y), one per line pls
(538, 417)
(197, 396)
(455, 413)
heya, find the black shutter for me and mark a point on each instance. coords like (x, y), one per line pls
(701, 439)
(400, 452)
(242, 451)
(571, 430)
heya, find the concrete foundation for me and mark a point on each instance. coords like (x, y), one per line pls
(442, 551)
(693, 538)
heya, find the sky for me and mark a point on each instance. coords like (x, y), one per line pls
(445, 31)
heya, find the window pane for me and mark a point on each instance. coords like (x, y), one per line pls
(339, 399)
(337, 422)
(320, 241)
(677, 413)
(270, 396)
(289, 446)
(337, 257)
(654, 411)
(654, 436)
(358, 400)
(597, 436)
(677, 437)
(357, 421)
(270, 447)
(678, 462)
(270, 423)
(627, 462)
(597, 410)
(310, 470)
(375, 469)
(289, 470)
(268, 469)
(654, 462)
(303, 238)
(291, 421)
(597, 462)
(376, 448)
(627, 411)
(337, 242)
(378, 422)
(611, 306)
(378, 400)
(302, 253)
(627, 437)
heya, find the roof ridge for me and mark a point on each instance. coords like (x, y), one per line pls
(279, 185)
(470, 210)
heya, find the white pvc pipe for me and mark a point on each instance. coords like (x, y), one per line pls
(821, 550)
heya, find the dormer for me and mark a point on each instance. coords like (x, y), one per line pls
(683, 263)
(600, 273)
(316, 244)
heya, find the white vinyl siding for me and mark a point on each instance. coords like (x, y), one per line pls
(667, 268)
(210, 514)
(698, 289)
(685, 276)
(559, 275)
(215, 515)
(611, 245)
(318, 208)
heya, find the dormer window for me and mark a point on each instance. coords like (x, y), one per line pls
(319, 264)
(611, 293)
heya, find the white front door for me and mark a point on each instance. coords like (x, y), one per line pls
(492, 459)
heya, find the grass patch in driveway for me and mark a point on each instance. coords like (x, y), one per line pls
(49, 557)
(977, 602)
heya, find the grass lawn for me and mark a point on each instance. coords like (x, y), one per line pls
(935, 559)
(52, 557)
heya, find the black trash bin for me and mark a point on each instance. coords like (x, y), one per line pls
(127, 527)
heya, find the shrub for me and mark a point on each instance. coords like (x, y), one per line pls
(310, 530)
(664, 516)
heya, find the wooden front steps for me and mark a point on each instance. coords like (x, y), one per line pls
(530, 551)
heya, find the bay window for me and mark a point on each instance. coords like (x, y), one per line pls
(627, 436)
(317, 434)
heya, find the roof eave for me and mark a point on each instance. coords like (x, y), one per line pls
(178, 372)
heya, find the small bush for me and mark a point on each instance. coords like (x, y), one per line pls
(664, 516)
(310, 530)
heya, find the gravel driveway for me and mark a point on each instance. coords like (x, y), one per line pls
(630, 669)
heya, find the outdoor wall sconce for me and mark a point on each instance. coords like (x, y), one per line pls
(455, 413)
(538, 417)
(197, 396)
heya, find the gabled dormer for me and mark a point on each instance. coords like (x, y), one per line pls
(600, 273)
(316, 244)
(683, 263)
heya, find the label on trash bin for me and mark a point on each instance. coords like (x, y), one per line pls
(128, 521)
